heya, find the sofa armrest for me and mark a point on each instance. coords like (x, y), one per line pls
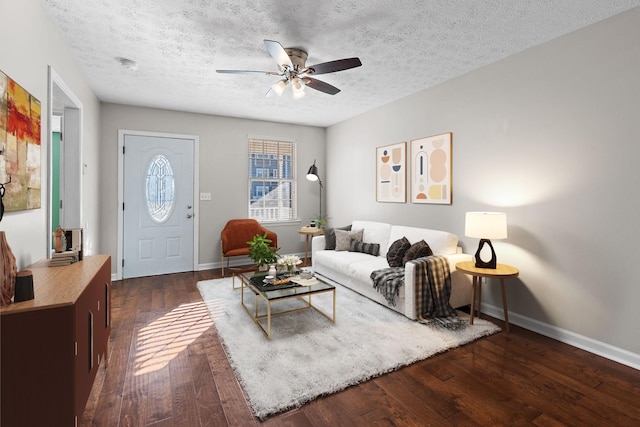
(458, 280)
(456, 258)
(317, 244)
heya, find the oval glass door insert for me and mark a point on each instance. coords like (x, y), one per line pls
(160, 188)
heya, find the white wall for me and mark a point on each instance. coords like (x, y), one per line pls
(549, 136)
(223, 170)
(30, 43)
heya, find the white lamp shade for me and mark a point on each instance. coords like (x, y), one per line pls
(298, 87)
(486, 225)
(279, 87)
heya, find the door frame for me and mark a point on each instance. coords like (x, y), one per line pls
(72, 160)
(196, 191)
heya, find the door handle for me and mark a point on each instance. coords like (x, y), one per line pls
(189, 215)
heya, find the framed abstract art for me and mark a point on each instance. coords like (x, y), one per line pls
(391, 173)
(431, 169)
(19, 146)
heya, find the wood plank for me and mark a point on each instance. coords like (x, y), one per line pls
(185, 409)
(207, 399)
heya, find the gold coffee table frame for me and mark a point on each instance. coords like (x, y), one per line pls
(304, 293)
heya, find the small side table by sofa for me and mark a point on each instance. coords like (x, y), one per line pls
(309, 232)
(502, 271)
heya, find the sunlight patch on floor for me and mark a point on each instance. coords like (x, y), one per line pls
(163, 339)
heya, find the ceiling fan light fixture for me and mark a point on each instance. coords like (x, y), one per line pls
(298, 87)
(292, 69)
(279, 87)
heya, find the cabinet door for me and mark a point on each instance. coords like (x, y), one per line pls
(86, 367)
(37, 368)
(102, 283)
(92, 328)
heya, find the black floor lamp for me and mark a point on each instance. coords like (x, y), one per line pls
(312, 175)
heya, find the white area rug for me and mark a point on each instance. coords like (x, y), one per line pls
(309, 356)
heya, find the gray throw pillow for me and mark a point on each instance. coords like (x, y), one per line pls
(343, 239)
(417, 250)
(396, 252)
(366, 248)
(330, 236)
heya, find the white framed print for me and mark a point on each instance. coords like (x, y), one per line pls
(431, 169)
(391, 173)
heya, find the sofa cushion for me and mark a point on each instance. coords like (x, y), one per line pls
(329, 261)
(330, 236)
(343, 239)
(417, 250)
(396, 252)
(440, 242)
(360, 271)
(374, 232)
(367, 248)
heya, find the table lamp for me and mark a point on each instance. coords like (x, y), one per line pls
(486, 226)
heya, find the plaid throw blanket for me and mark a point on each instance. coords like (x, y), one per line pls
(387, 281)
(432, 282)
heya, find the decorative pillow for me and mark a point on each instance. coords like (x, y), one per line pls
(343, 239)
(330, 236)
(417, 250)
(367, 248)
(396, 252)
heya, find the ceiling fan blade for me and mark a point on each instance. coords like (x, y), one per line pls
(270, 93)
(264, 73)
(321, 86)
(337, 65)
(278, 53)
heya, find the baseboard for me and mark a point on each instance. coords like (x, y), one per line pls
(209, 266)
(234, 262)
(580, 341)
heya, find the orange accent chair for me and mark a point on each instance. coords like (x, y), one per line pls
(235, 235)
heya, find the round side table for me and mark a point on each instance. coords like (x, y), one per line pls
(309, 232)
(502, 271)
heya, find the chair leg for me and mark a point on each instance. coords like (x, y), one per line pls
(222, 258)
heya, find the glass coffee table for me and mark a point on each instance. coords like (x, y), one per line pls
(267, 294)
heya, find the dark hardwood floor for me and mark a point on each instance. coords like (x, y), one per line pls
(159, 375)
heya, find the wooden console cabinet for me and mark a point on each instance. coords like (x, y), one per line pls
(51, 346)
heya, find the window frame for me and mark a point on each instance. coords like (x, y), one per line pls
(283, 209)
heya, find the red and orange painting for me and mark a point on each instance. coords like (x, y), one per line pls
(19, 146)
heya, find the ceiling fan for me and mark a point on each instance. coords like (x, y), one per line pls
(292, 69)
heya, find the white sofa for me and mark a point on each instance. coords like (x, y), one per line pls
(353, 269)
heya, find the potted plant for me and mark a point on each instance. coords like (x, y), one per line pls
(321, 221)
(260, 252)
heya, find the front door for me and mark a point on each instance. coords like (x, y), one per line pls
(158, 221)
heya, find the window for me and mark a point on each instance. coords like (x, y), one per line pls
(272, 186)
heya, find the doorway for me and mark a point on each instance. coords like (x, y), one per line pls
(65, 169)
(158, 233)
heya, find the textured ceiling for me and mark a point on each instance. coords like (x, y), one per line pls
(405, 46)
